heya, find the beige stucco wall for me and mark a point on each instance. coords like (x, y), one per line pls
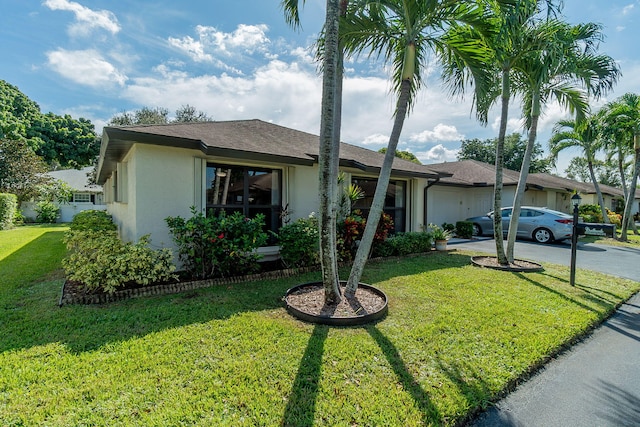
(452, 204)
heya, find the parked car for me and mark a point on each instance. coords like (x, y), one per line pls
(540, 224)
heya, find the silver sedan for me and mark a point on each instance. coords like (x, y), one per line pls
(540, 224)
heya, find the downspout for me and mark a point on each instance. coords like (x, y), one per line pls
(424, 211)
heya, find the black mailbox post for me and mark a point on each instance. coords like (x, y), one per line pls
(575, 200)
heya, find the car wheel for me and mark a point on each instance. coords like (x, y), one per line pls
(542, 235)
(477, 230)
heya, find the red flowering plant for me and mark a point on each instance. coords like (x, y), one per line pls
(351, 229)
(218, 245)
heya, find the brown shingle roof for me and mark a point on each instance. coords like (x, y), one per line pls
(245, 139)
(472, 173)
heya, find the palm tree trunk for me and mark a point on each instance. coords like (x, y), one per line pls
(381, 191)
(327, 175)
(522, 179)
(497, 192)
(631, 194)
(603, 209)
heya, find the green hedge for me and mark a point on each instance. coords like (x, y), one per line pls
(404, 244)
(8, 210)
(99, 260)
(464, 229)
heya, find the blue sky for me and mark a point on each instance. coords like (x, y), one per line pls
(239, 60)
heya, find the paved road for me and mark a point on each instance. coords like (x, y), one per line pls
(597, 382)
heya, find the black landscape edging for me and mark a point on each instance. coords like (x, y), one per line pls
(536, 269)
(337, 321)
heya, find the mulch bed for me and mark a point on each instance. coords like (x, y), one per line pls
(517, 265)
(310, 299)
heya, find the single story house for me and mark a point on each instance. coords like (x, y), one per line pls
(85, 195)
(151, 172)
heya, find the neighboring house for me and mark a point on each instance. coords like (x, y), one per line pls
(85, 196)
(468, 191)
(151, 172)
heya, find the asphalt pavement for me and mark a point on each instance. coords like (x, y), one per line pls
(595, 383)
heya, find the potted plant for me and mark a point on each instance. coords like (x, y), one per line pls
(440, 236)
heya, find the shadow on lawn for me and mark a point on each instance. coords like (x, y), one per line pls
(301, 406)
(29, 315)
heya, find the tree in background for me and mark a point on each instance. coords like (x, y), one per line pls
(159, 116)
(22, 172)
(189, 114)
(624, 113)
(583, 134)
(61, 140)
(606, 172)
(405, 155)
(514, 149)
(64, 141)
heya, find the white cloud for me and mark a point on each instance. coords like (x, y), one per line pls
(87, 19)
(628, 9)
(246, 39)
(195, 49)
(87, 67)
(438, 154)
(376, 139)
(514, 124)
(440, 132)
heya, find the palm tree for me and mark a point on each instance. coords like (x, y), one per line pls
(329, 141)
(566, 63)
(404, 32)
(508, 49)
(625, 113)
(583, 134)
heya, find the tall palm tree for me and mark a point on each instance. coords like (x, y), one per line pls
(567, 68)
(404, 33)
(508, 49)
(583, 134)
(625, 112)
(329, 141)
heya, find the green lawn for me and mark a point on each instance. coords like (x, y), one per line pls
(455, 338)
(633, 240)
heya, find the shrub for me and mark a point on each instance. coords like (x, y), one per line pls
(100, 260)
(448, 227)
(92, 220)
(47, 212)
(8, 210)
(350, 233)
(614, 218)
(464, 229)
(299, 242)
(218, 246)
(590, 213)
(404, 244)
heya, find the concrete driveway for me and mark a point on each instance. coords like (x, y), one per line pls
(597, 382)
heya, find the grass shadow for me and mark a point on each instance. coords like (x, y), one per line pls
(301, 405)
(430, 413)
(598, 300)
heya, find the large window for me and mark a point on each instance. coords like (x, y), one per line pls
(247, 190)
(394, 202)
